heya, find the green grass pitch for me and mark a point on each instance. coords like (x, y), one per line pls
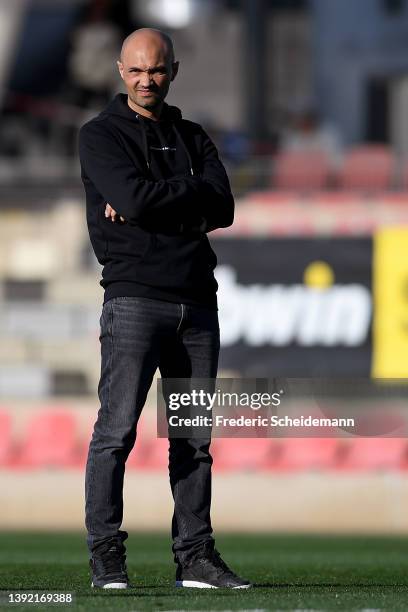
(290, 572)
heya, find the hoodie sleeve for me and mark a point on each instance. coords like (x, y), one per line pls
(217, 201)
(122, 184)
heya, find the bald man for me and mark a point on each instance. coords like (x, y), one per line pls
(155, 188)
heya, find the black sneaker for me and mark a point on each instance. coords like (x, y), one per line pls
(209, 571)
(108, 565)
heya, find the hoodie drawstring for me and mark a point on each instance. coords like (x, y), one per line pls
(178, 136)
(184, 146)
(145, 144)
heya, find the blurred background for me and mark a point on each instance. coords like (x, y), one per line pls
(307, 101)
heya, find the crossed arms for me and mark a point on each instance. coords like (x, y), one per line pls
(200, 203)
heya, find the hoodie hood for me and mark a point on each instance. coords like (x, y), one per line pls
(170, 114)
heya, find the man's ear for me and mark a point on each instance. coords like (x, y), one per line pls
(174, 70)
(120, 68)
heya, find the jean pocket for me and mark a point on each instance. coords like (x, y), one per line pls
(106, 320)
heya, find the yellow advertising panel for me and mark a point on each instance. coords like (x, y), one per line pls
(390, 297)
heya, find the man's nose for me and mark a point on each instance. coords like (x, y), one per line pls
(145, 79)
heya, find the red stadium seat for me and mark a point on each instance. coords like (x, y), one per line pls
(51, 441)
(301, 171)
(147, 452)
(83, 447)
(272, 197)
(146, 447)
(242, 454)
(6, 444)
(367, 168)
(338, 198)
(374, 454)
(306, 454)
(404, 175)
(157, 455)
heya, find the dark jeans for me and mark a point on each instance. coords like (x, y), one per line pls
(138, 335)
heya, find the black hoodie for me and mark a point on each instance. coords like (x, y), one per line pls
(165, 178)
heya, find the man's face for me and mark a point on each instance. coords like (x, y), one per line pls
(147, 71)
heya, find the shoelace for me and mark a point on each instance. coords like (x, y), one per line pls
(113, 560)
(214, 558)
(219, 561)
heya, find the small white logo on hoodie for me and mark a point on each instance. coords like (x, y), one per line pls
(164, 148)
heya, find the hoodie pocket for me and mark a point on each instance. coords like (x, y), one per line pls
(181, 257)
(151, 247)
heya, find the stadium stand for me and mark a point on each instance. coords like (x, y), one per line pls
(367, 168)
(149, 451)
(50, 441)
(84, 435)
(303, 171)
(374, 454)
(6, 442)
(404, 173)
(306, 454)
(157, 455)
(364, 168)
(58, 438)
(243, 454)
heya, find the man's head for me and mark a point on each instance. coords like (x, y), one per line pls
(147, 67)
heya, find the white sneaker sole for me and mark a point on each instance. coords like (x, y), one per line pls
(112, 585)
(192, 584)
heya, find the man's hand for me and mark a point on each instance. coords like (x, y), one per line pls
(109, 212)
